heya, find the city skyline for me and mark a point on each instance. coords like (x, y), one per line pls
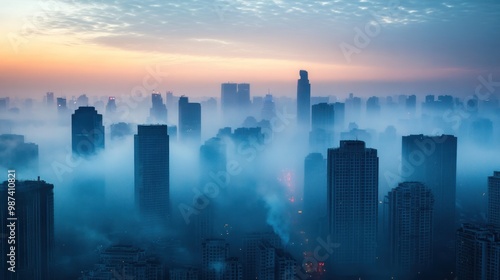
(417, 46)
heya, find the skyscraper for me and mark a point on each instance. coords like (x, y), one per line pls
(151, 173)
(314, 192)
(50, 99)
(214, 255)
(478, 253)
(189, 121)
(432, 160)
(34, 230)
(235, 102)
(111, 105)
(158, 111)
(494, 199)
(303, 99)
(18, 155)
(87, 131)
(410, 228)
(322, 122)
(352, 206)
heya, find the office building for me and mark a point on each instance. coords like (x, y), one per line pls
(189, 121)
(87, 132)
(304, 100)
(494, 199)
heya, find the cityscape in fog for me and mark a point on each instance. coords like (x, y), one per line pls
(244, 186)
(250, 140)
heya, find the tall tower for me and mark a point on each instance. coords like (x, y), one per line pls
(189, 121)
(410, 228)
(158, 111)
(352, 194)
(314, 192)
(87, 131)
(322, 123)
(33, 231)
(303, 99)
(151, 170)
(229, 94)
(494, 199)
(432, 160)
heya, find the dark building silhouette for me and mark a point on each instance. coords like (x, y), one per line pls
(494, 199)
(410, 228)
(158, 111)
(411, 105)
(189, 121)
(34, 231)
(111, 105)
(87, 132)
(151, 174)
(120, 130)
(62, 107)
(372, 107)
(478, 252)
(352, 108)
(235, 102)
(172, 107)
(314, 193)
(18, 155)
(214, 255)
(303, 99)
(233, 269)
(273, 263)
(432, 160)
(49, 99)
(268, 108)
(251, 243)
(82, 101)
(352, 205)
(125, 262)
(322, 123)
(339, 115)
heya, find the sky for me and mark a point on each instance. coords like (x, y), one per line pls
(367, 47)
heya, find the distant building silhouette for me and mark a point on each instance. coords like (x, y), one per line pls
(410, 228)
(120, 130)
(494, 199)
(49, 99)
(352, 206)
(34, 227)
(151, 173)
(18, 155)
(87, 132)
(314, 192)
(322, 124)
(372, 107)
(189, 121)
(235, 102)
(158, 111)
(352, 108)
(125, 262)
(82, 101)
(432, 160)
(111, 105)
(478, 252)
(268, 108)
(339, 115)
(304, 99)
(62, 107)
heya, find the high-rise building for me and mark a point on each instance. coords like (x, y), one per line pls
(152, 178)
(372, 107)
(322, 122)
(353, 108)
(352, 206)
(189, 121)
(478, 252)
(235, 102)
(273, 263)
(18, 155)
(233, 269)
(303, 99)
(87, 132)
(82, 101)
(62, 107)
(410, 228)
(213, 260)
(111, 105)
(432, 160)
(33, 230)
(50, 99)
(494, 199)
(158, 111)
(268, 108)
(314, 192)
(251, 244)
(339, 115)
